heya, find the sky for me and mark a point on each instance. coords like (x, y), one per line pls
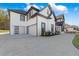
(70, 10)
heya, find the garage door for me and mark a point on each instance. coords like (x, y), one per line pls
(32, 30)
(22, 30)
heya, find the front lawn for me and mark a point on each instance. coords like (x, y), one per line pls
(76, 41)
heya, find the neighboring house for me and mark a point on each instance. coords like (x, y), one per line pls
(71, 28)
(59, 23)
(32, 22)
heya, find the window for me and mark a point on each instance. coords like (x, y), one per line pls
(59, 20)
(29, 15)
(22, 17)
(42, 28)
(16, 29)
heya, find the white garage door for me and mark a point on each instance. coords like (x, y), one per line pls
(32, 30)
(22, 30)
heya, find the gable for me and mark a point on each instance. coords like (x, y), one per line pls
(33, 10)
(47, 11)
(60, 17)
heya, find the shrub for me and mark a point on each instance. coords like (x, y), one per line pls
(47, 34)
(76, 41)
(57, 32)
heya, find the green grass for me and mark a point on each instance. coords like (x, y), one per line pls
(1, 31)
(76, 41)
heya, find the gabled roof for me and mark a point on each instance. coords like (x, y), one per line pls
(32, 8)
(48, 17)
(24, 12)
(49, 9)
(18, 11)
(37, 13)
(60, 16)
(40, 15)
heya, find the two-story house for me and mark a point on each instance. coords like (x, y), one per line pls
(59, 23)
(32, 22)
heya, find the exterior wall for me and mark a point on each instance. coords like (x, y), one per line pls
(15, 21)
(34, 11)
(58, 28)
(31, 21)
(48, 23)
(32, 30)
(22, 30)
(60, 22)
(44, 12)
(70, 29)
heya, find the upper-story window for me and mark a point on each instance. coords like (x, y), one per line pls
(22, 17)
(59, 20)
(29, 15)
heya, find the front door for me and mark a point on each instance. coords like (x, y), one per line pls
(42, 28)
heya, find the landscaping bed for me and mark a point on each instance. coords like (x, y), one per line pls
(76, 41)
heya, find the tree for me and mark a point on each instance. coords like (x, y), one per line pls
(4, 20)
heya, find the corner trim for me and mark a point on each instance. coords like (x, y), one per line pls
(36, 26)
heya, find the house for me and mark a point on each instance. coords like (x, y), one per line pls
(59, 23)
(71, 28)
(33, 22)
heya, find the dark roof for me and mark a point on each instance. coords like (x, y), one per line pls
(32, 8)
(24, 12)
(40, 15)
(37, 13)
(48, 17)
(18, 11)
(60, 23)
(59, 16)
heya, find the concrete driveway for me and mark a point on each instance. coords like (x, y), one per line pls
(25, 45)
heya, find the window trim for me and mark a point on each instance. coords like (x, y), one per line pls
(22, 17)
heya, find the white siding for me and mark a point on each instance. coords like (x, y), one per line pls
(58, 28)
(32, 30)
(48, 23)
(22, 30)
(34, 11)
(44, 11)
(31, 21)
(15, 21)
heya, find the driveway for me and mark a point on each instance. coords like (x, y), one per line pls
(25, 45)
